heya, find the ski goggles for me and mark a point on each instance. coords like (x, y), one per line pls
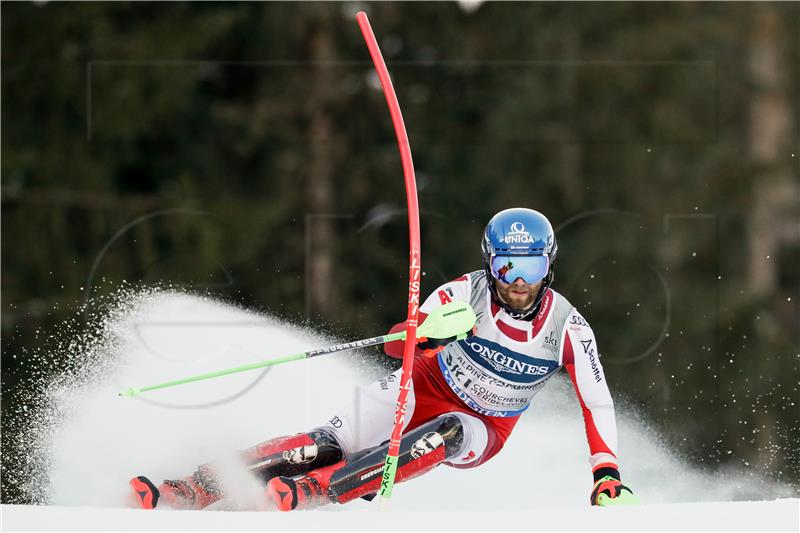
(531, 268)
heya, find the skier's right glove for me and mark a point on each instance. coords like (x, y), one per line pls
(431, 347)
(425, 346)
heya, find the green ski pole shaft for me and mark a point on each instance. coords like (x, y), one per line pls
(449, 320)
(272, 362)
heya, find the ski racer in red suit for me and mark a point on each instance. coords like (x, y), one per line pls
(467, 394)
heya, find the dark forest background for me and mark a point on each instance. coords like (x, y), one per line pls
(245, 150)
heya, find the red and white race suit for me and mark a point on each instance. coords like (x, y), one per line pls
(489, 379)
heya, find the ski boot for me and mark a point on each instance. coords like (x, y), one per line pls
(282, 456)
(421, 450)
(305, 492)
(194, 492)
(144, 494)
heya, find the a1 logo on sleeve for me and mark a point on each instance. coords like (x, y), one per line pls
(444, 297)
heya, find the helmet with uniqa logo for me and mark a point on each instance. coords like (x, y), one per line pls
(519, 243)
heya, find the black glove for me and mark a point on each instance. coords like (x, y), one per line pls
(433, 344)
(431, 347)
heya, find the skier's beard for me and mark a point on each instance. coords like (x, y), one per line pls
(519, 294)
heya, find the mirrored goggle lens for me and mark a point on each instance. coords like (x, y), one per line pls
(531, 268)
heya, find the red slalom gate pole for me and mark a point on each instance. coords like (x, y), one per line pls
(390, 465)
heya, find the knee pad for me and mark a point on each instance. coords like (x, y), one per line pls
(421, 450)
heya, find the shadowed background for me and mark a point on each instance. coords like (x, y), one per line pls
(245, 151)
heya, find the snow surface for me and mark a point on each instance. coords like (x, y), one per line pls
(780, 515)
(94, 441)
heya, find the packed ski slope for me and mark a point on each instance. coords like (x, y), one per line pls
(88, 441)
(780, 515)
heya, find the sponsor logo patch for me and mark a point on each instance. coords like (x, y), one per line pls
(426, 444)
(472, 403)
(303, 454)
(370, 474)
(384, 382)
(506, 363)
(545, 306)
(589, 350)
(577, 320)
(385, 478)
(259, 464)
(517, 235)
(550, 342)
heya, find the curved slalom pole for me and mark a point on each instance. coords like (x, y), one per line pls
(390, 466)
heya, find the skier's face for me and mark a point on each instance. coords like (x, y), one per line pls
(519, 294)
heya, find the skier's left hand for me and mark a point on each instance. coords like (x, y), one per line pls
(609, 490)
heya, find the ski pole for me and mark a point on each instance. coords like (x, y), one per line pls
(450, 320)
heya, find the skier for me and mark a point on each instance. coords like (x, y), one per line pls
(467, 394)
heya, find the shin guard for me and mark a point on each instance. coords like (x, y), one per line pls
(360, 477)
(294, 455)
(421, 450)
